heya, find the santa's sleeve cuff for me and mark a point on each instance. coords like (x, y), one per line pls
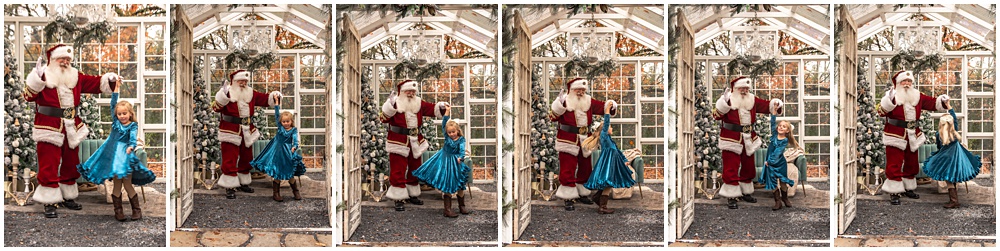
(887, 104)
(106, 82)
(34, 82)
(438, 109)
(614, 106)
(776, 105)
(387, 109)
(557, 108)
(941, 100)
(722, 106)
(270, 98)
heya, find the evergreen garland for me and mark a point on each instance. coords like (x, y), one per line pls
(743, 65)
(205, 127)
(409, 69)
(18, 118)
(906, 60)
(871, 151)
(578, 66)
(373, 131)
(245, 59)
(62, 28)
(90, 113)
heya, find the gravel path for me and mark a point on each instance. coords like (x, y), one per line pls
(215, 211)
(418, 224)
(553, 223)
(878, 217)
(655, 186)
(82, 230)
(717, 222)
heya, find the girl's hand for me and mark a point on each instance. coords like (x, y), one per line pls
(947, 105)
(277, 100)
(293, 149)
(607, 108)
(128, 150)
(447, 110)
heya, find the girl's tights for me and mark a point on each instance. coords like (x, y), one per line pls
(123, 182)
(607, 191)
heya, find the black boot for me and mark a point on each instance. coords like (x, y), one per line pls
(749, 199)
(586, 200)
(415, 201)
(70, 204)
(910, 194)
(50, 211)
(732, 203)
(399, 206)
(894, 199)
(569, 205)
(230, 193)
(245, 189)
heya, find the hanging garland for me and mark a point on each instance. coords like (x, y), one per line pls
(906, 60)
(580, 67)
(242, 58)
(63, 28)
(408, 69)
(744, 65)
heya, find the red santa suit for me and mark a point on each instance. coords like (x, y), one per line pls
(737, 139)
(237, 103)
(58, 130)
(405, 144)
(575, 116)
(902, 137)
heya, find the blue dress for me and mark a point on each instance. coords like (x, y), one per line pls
(277, 159)
(443, 171)
(776, 167)
(952, 162)
(110, 160)
(610, 170)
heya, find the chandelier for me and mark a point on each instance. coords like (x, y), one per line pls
(592, 46)
(919, 40)
(755, 45)
(422, 49)
(82, 14)
(254, 39)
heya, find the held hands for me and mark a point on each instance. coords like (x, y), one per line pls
(447, 109)
(128, 150)
(293, 149)
(607, 108)
(277, 101)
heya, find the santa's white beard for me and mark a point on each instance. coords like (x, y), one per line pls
(408, 104)
(242, 94)
(61, 76)
(578, 103)
(741, 101)
(909, 96)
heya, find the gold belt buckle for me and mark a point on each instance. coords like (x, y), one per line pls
(246, 121)
(414, 131)
(69, 113)
(911, 124)
(747, 129)
(583, 130)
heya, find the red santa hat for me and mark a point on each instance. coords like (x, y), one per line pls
(739, 82)
(406, 85)
(239, 75)
(900, 76)
(59, 51)
(576, 83)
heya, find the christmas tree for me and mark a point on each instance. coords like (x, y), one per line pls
(871, 151)
(18, 118)
(429, 130)
(206, 121)
(929, 127)
(763, 128)
(259, 120)
(543, 136)
(373, 131)
(706, 131)
(90, 113)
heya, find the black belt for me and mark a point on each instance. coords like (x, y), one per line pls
(738, 128)
(68, 113)
(404, 130)
(583, 130)
(237, 120)
(902, 123)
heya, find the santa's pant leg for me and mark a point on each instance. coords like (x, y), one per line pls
(911, 167)
(48, 191)
(68, 173)
(412, 183)
(567, 177)
(230, 156)
(243, 165)
(583, 170)
(397, 177)
(748, 170)
(730, 175)
(893, 170)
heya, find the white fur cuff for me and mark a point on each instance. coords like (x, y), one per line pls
(894, 142)
(419, 148)
(75, 136)
(567, 193)
(227, 181)
(387, 109)
(558, 108)
(69, 192)
(746, 187)
(45, 136)
(34, 82)
(750, 144)
(726, 145)
(413, 190)
(730, 191)
(270, 98)
(397, 193)
(775, 105)
(887, 104)
(722, 106)
(397, 149)
(244, 178)
(564, 147)
(221, 97)
(939, 104)
(230, 138)
(437, 109)
(47, 195)
(909, 184)
(106, 82)
(582, 191)
(892, 186)
(614, 105)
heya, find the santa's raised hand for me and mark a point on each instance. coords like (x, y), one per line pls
(40, 67)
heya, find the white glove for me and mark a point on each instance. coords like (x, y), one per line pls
(891, 93)
(562, 97)
(40, 67)
(727, 94)
(392, 97)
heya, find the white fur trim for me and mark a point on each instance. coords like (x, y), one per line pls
(775, 104)
(244, 109)
(730, 191)
(69, 192)
(745, 117)
(106, 82)
(887, 104)
(270, 98)
(408, 86)
(746, 187)
(387, 109)
(437, 109)
(581, 118)
(61, 51)
(230, 138)
(75, 136)
(903, 76)
(564, 147)
(915, 142)
(909, 112)
(418, 149)
(745, 82)
(66, 97)
(411, 120)
(726, 145)
(582, 191)
(227, 181)
(941, 99)
(750, 145)
(397, 149)
(244, 178)
(245, 75)
(397, 193)
(221, 97)
(894, 142)
(558, 108)
(909, 184)
(248, 136)
(47, 195)
(892, 186)
(34, 82)
(614, 105)
(722, 105)
(581, 83)
(567, 193)
(412, 190)
(51, 137)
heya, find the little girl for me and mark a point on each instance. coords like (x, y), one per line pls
(116, 160)
(774, 175)
(951, 163)
(610, 171)
(446, 170)
(279, 158)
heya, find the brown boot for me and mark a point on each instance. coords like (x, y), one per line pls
(602, 202)
(276, 190)
(119, 212)
(295, 189)
(461, 205)
(777, 200)
(784, 196)
(447, 207)
(952, 198)
(136, 210)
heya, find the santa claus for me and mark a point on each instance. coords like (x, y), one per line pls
(738, 140)
(901, 106)
(575, 110)
(236, 132)
(55, 88)
(405, 144)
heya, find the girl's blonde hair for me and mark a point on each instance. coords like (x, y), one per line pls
(946, 130)
(591, 142)
(289, 115)
(128, 107)
(791, 135)
(452, 123)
